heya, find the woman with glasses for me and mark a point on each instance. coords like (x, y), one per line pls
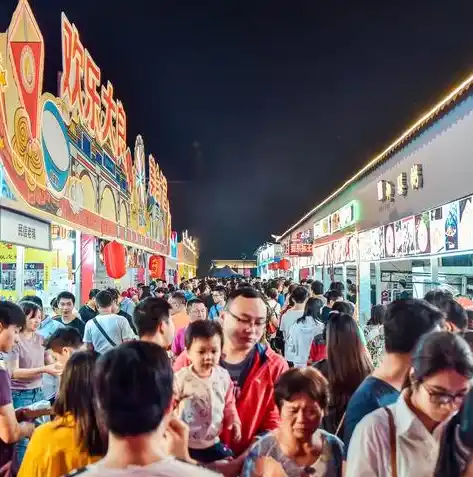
(403, 440)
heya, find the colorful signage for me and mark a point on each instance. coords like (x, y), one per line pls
(339, 220)
(302, 244)
(68, 157)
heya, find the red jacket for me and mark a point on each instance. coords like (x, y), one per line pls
(255, 404)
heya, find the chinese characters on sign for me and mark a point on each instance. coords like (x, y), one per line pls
(83, 92)
(302, 244)
(24, 231)
(387, 189)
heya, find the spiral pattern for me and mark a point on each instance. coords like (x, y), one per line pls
(27, 157)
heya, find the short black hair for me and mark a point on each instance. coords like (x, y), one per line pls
(300, 294)
(65, 295)
(53, 303)
(406, 321)
(244, 292)
(441, 351)
(34, 299)
(179, 297)
(333, 294)
(306, 380)
(104, 299)
(317, 287)
(378, 312)
(202, 329)
(194, 301)
(93, 293)
(438, 297)
(149, 314)
(114, 292)
(403, 283)
(134, 387)
(67, 337)
(337, 286)
(220, 289)
(11, 315)
(456, 314)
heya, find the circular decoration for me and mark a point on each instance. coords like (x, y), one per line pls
(56, 150)
(28, 69)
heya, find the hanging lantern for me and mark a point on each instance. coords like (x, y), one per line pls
(284, 264)
(114, 259)
(273, 266)
(156, 267)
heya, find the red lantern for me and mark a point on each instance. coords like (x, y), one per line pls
(156, 267)
(114, 259)
(273, 266)
(284, 264)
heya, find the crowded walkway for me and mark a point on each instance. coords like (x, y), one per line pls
(214, 379)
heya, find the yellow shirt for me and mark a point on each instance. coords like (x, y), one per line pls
(53, 450)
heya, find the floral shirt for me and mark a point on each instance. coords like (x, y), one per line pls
(329, 463)
(374, 335)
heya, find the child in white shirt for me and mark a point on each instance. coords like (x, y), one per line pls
(205, 393)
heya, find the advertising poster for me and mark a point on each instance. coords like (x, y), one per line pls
(451, 226)
(465, 226)
(398, 239)
(380, 233)
(437, 230)
(389, 241)
(422, 233)
(408, 234)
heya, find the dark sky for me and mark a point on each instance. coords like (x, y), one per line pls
(286, 98)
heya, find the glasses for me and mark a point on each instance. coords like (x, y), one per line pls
(258, 323)
(442, 398)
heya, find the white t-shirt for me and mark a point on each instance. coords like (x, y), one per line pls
(168, 467)
(116, 327)
(300, 339)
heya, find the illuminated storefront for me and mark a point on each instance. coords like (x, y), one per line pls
(411, 214)
(187, 257)
(67, 163)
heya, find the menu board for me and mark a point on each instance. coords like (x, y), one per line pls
(422, 233)
(465, 226)
(437, 230)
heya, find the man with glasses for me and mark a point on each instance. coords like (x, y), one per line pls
(253, 367)
(218, 296)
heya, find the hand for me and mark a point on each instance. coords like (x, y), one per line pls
(54, 369)
(27, 429)
(236, 431)
(176, 440)
(227, 467)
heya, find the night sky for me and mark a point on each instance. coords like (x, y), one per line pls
(256, 110)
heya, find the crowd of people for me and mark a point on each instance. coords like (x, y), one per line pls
(235, 377)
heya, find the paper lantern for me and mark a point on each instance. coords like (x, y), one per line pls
(156, 267)
(114, 259)
(284, 264)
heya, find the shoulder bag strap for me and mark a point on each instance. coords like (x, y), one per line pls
(340, 424)
(392, 442)
(104, 333)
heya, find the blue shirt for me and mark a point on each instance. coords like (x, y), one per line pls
(214, 312)
(188, 295)
(372, 394)
(281, 299)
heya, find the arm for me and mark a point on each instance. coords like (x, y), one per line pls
(10, 429)
(27, 373)
(230, 413)
(125, 330)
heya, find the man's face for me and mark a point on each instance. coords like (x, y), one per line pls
(8, 337)
(65, 306)
(244, 322)
(197, 312)
(218, 297)
(175, 306)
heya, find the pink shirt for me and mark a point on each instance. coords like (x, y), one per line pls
(178, 344)
(209, 407)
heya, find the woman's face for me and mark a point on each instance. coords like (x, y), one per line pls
(301, 416)
(33, 320)
(441, 395)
